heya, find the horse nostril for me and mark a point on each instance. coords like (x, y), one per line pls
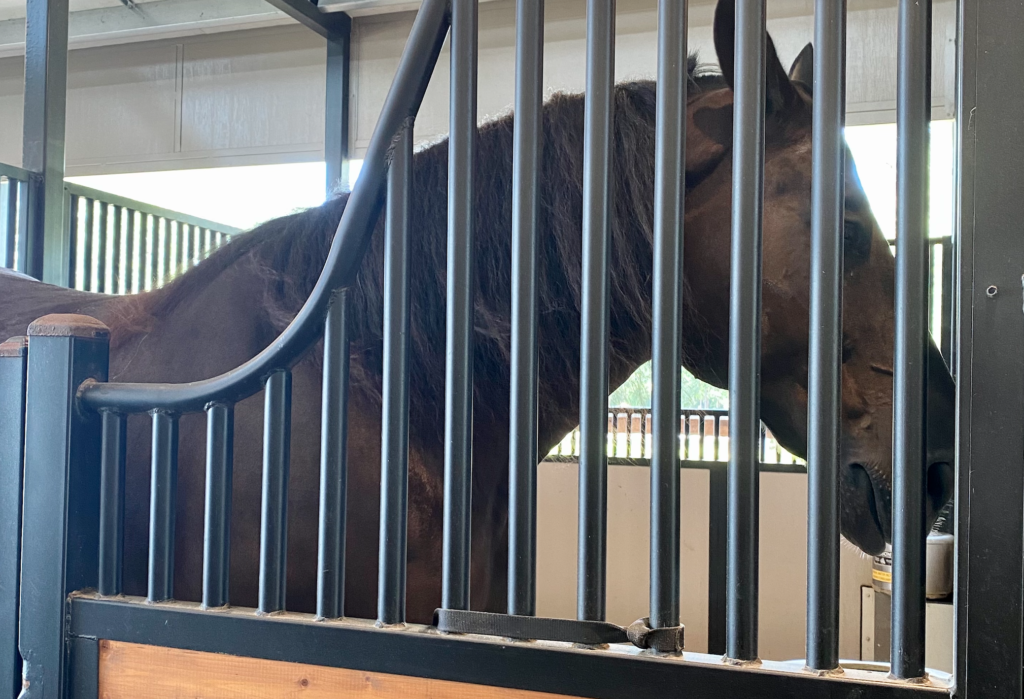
(941, 484)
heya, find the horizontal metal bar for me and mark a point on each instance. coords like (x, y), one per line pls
(617, 673)
(144, 208)
(345, 257)
(327, 24)
(13, 172)
(692, 464)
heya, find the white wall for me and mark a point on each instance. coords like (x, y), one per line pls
(257, 96)
(783, 562)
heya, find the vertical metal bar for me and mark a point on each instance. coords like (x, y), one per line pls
(112, 474)
(913, 112)
(13, 377)
(220, 428)
(10, 223)
(597, 207)
(48, 248)
(24, 199)
(330, 587)
(394, 465)
(990, 375)
(946, 325)
(718, 524)
(131, 273)
(701, 435)
(61, 491)
(70, 218)
(163, 487)
(669, 195)
(824, 398)
(274, 510)
(88, 244)
(686, 436)
(185, 246)
(166, 262)
(526, 166)
(458, 428)
(115, 260)
(102, 284)
(745, 327)
(336, 146)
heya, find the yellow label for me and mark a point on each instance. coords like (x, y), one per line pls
(881, 576)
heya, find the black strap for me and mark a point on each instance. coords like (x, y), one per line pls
(591, 633)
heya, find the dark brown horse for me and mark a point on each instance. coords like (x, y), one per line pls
(233, 304)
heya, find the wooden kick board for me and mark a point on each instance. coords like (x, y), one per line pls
(132, 671)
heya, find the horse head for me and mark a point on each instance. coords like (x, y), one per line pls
(868, 294)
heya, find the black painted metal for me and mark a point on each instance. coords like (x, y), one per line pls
(101, 240)
(326, 24)
(597, 207)
(61, 499)
(718, 526)
(990, 374)
(163, 489)
(669, 193)
(522, 457)
(88, 244)
(474, 660)
(47, 245)
(910, 361)
(116, 271)
(112, 476)
(274, 511)
(130, 261)
(69, 217)
(458, 401)
(824, 387)
(394, 460)
(354, 231)
(336, 117)
(85, 667)
(745, 328)
(220, 438)
(13, 376)
(9, 245)
(333, 469)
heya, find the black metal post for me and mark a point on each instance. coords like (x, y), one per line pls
(47, 246)
(112, 475)
(669, 193)
(61, 495)
(101, 245)
(522, 456)
(597, 208)
(13, 376)
(394, 487)
(989, 595)
(458, 428)
(718, 526)
(745, 328)
(163, 491)
(913, 112)
(220, 429)
(88, 243)
(277, 425)
(333, 470)
(116, 275)
(824, 397)
(336, 118)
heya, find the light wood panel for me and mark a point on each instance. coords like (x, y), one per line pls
(130, 671)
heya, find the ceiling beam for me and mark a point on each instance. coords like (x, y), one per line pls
(327, 24)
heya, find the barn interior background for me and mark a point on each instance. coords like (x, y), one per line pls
(217, 109)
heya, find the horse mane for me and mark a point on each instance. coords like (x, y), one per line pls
(289, 253)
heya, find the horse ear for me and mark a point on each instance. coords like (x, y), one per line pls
(725, 37)
(802, 70)
(780, 91)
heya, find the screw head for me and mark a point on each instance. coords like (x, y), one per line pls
(992, 291)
